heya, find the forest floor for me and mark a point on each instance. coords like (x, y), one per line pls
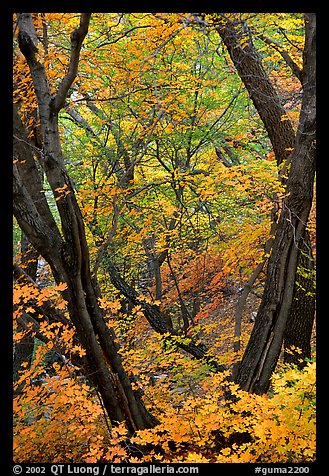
(215, 330)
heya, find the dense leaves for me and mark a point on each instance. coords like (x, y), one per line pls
(150, 158)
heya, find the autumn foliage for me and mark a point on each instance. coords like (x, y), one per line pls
(62, 419)
(178, 185)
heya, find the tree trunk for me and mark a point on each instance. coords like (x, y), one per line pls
(247, 62)
(23, 350)
(264, 346)
(266, 339)
(298, 331)
(67, 252)
(282, 136)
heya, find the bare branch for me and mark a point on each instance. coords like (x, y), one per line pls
(297, 71)
(123, 35)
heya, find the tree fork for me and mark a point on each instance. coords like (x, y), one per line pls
(67, 253)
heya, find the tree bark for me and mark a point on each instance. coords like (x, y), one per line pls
(247, 61)
(298, 331)
(23, 350)
(67, 252)
(263, 349)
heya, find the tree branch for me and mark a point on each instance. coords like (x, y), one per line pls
(43, 238)
(297, 71)
(157, 321)
(48, 308)
(77, 37)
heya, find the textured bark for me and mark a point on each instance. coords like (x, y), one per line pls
(263, 349)
(298, 331)
(67, 252)
(282, 136)
(247, 61)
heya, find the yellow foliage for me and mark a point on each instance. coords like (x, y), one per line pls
(61, 420)
(158, 101)
(203, 417)
(252, 428)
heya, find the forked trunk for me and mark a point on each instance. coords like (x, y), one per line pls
(67, 251)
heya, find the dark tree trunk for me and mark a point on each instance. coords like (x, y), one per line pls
(67, 253)
(299, 327)
(264, 346)
(23, 350)
(282, 136)
(248, 64)
(263, 349)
